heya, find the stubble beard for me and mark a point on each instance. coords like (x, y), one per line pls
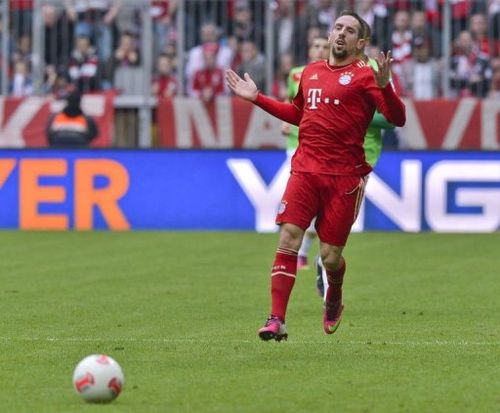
(339, 54)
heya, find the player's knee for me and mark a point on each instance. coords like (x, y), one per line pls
(331, 258)
(290, 237)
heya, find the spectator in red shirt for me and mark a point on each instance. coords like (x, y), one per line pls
(209, 81)
(209, 33)
(164, 82)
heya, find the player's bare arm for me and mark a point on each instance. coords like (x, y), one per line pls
(383, 75)
(244, 88)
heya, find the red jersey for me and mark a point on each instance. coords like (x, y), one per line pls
(211, 79)
(337, 105)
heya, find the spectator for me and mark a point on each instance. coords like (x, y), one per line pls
(375, 14)
(470, 70)
(285, 22)
(71, 128)
(23, 50)
(58, 36)
(83, 66)
(164, 27)
(425, 71)
(127, 53)
(22, 84)
(95, 19)
(242, 26)
(401, 39)
(326, 13)
(21, 16)
(209, 81)
(494, 92)
(494, 20)
(253, 63)
(209, 34)
(420, 30)
(164, 82)
(478, 27)
(280, 84)
(58, 83)
(460, 12)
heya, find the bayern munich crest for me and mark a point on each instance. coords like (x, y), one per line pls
(282, 206)
(345, 78)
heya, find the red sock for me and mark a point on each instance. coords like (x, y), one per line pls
(282, 279)
(335, 281)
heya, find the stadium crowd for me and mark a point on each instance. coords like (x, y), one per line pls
(87, 42)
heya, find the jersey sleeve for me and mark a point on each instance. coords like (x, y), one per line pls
(288, 112)
(387, 102)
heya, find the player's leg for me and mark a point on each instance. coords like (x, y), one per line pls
(341, 200)
(283, 276)
(297, 208)
(334, 264)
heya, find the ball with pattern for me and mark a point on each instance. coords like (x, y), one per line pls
(98, 378)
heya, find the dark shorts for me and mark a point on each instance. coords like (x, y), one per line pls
(334, 200)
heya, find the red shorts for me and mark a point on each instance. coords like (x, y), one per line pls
(333, 199)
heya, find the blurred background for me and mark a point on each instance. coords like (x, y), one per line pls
(141, 60)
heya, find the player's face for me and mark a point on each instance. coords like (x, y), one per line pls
(344, 38)
(319, 49)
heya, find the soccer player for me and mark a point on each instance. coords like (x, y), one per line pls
(333, 108)
(372, 146)
(318, 50)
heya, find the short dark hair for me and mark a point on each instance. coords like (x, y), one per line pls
(362, 29)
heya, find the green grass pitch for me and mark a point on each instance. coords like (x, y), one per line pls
(180, 311)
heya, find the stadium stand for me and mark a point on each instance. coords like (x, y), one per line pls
(149, 49)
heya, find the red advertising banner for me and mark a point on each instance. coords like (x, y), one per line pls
(23, 121)
(233, 123)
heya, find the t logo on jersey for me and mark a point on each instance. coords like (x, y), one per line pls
(313, 98)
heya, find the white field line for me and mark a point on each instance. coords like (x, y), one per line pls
(186, 340)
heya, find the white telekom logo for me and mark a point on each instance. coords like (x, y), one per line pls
(314, 97)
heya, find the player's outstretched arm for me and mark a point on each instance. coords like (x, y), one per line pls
(244, 88)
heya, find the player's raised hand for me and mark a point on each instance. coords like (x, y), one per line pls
(383, 75)
(244, 88)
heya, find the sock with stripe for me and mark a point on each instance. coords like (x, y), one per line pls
(282, 280)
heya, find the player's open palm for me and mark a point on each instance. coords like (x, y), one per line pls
(244, 88)
(383, 74)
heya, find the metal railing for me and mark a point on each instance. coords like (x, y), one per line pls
(268, 25)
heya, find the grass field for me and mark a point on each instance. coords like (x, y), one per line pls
(179, 312)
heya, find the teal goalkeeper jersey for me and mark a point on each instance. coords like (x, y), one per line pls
(292, 140)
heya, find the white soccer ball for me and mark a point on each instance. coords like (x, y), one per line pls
(98, 378)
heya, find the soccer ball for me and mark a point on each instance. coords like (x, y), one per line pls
(98, 378)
